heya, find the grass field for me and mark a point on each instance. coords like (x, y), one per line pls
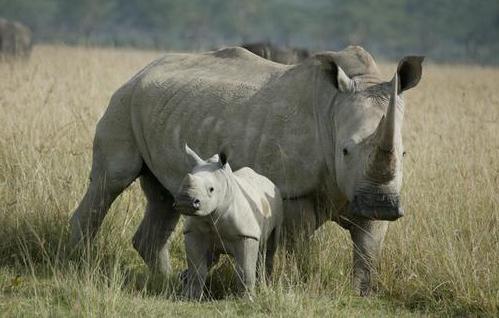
(441, 259)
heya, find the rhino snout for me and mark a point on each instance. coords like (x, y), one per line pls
(377, 206)
(186, 204)
(193, 203)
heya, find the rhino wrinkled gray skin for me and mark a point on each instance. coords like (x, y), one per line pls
(327, 132)
(237, 213)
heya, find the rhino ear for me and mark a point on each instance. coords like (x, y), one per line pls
(222, 158)
(343, 83)
(409, 72)
(224, 163)
(339, 78)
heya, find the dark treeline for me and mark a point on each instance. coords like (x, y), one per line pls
(444, 30)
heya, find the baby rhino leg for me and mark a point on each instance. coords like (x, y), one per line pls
(246, 255)
(196, 249)
(269, 252)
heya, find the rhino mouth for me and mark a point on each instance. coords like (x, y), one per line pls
(183, 205)
(187, 212)
(384, 207)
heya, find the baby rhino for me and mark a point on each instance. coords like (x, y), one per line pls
(237, 213)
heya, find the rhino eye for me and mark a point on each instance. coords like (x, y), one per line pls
(211, 189)
(345, 151)
(404, 153)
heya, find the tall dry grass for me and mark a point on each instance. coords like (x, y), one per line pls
(441, 259)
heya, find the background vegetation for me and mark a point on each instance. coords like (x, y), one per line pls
(439, 260)
(444, 30)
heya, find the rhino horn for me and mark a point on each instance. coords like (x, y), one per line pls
(383, 162)
(392, 123)
(193, 156)
(191, 180)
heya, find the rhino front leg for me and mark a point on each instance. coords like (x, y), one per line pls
(160, 219)
(301, 219)
(367, 237)
(197, 252)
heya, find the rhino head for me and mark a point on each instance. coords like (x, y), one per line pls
(205, 189)
(367, 139)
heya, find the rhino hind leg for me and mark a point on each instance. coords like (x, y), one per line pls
(367, 237)
(270, 249)
(116, 164)
(160, 219)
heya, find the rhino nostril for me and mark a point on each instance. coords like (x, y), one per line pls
(196, 203)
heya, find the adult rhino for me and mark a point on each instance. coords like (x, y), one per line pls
(15, 39)
(327, 132)
(277, 54)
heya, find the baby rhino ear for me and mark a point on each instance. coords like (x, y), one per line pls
(223, 158)
(223, 162)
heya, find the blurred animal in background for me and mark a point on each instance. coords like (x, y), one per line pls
(15, 39)
(283, 55)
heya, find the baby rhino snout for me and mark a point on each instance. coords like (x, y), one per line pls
(186, 201)
(196, 203)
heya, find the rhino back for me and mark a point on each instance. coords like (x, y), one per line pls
(228, 99)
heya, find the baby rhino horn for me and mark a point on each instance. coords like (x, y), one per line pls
(194, 158)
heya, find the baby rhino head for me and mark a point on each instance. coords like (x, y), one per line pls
(205, 188)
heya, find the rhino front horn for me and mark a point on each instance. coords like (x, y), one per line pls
(393, 120)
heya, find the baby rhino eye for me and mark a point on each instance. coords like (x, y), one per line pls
(211, 189)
